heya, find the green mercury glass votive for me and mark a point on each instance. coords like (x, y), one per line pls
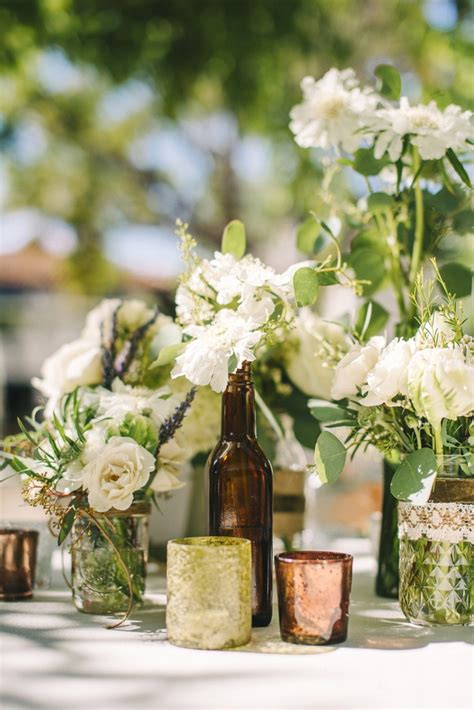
(209, 586)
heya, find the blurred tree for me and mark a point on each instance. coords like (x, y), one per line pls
(139, 111)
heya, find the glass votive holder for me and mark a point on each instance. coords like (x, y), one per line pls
(313, 596)
(18, 550)
(209, 588)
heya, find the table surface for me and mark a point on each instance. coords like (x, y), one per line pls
(53, 657)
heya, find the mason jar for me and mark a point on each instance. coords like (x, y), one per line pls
(109, 560)
(437, 555)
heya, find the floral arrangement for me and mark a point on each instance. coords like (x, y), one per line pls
(109, 437)
(233, 306)
(411, 398)
(417, 188)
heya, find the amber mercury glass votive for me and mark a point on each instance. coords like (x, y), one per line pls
(209, 589)
(17, 563)
(313, 596)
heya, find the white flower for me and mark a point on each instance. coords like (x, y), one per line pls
(332, 112)
(131, 314)
(74, 364)
(171, 459)
(441, 384)
(205, 360)
(389, 377)
(115, 473)
(97, 317)
(351, 372)
(305, 362)
(192, 299)
(124, 399)
(202, 423)
(432, 131)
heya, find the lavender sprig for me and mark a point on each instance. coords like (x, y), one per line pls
(108, 350)
(174, 422)
(123, 360)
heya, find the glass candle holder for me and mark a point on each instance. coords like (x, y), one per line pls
(313, 596)
(17, 563)
(209, 585)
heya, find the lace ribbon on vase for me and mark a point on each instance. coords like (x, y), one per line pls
(447, 522)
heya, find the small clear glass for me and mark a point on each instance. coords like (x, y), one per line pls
(100, 553)
(209, 584)
(313, 596)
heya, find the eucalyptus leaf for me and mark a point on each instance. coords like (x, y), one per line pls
(368, 265)
(391, 83)
(380, 201)
(306, 286)
(168, 355)
(308, 236)
(233, 239)
(458, 279)
(371, 319)
(329, 457)
(327, 278)
(366, 164)
(414, 478)
(328, 413)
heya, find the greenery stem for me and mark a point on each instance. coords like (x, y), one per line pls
(419, 222)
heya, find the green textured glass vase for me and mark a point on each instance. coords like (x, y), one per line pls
(437, 556)
(209, 590)
(109, 559)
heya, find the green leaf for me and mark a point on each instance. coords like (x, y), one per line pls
(463, 222)
(458, 166)
(306, 286)
(458, 279)
(329, 457)
(233, 239)
(371, 319)
(414, 478)
(168, 354)
(445, 201)
(369, 239)
(380, 201)
(326, 414)
(327, 278)
(67, 523)
(368, 265)
(391, 83)
(308, 236)
(233, 362)
(366, 164)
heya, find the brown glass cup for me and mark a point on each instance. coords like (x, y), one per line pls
(313, 596)
(17, 563)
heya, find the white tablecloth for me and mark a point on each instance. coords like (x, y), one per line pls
(53, 657)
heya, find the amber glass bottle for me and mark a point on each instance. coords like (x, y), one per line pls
(240, 488)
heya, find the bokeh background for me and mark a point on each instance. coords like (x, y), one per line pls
(116, 118)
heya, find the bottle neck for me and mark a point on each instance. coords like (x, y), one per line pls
(238, 405)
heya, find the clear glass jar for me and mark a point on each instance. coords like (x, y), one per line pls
(437, 555)
(101, 551)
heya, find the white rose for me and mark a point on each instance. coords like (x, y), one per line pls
(305, 364)
(351, 372)
(74, 364)
(440, 384)
(171, 459)
(389, 377)
(115, 473)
